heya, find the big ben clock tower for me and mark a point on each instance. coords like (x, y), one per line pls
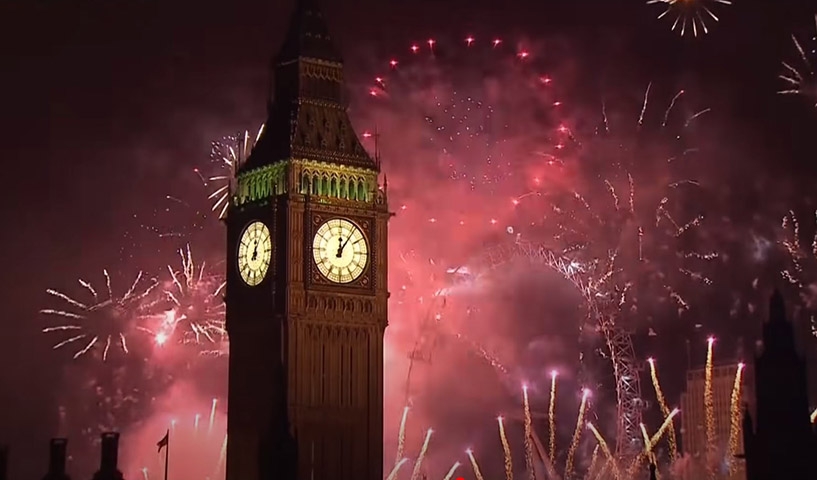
(306, 280)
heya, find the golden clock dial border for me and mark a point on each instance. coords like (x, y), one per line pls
(362, 283)
(352, 248)
(254, 275)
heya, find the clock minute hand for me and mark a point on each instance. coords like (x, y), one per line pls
(347, 240)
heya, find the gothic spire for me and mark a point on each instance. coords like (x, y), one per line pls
(777, 307)
(306, 109)
(308, 36)
(778, 332)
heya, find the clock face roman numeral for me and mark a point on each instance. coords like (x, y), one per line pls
(340, 250)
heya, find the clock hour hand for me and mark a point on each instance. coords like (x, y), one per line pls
(255, 250)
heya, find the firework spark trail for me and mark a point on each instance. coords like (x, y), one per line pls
(112, 309)
(415, 474)
(574, 444)
(664, 426)
(647, 453)
(506, 449)
(602, 472)
(393, 473)
(485, 354)
(552, 417)
(800, 81)
(735, 416)
(801, 259)
(792, 247)
(550, 472)
(593, 461)
(222, 458)
(646, 437)
(212, 415)
(665, 411)
(474, 464)
(669, 109)
(709, 401)
(451, 471)
(401, 435)
(606, 450)
(644, 104)
(528, 434)
(690, 15)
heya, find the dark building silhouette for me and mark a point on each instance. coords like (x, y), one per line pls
(306, 279)
(4, 458)
(780, 442)
(57, 455)
(108, 464)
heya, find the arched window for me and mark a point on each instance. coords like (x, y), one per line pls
(343, 190)
(305, 183)
(353, 188)
(361, 190)
(325, 188)
(316, 185)
(333, 187)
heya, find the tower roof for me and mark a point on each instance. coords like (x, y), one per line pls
(307, 116)
(308, 36)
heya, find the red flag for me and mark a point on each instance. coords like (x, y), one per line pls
(164, 441)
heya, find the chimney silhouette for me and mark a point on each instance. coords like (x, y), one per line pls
(4, 457)
(110, 455)
(56, 459)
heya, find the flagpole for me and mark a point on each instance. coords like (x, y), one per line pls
(167, 452)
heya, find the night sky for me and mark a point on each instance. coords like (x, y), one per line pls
(106, 104)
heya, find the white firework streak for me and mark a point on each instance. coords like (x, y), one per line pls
(800, 81)
(195, 298)
(690, 16)
(227, 153)
(80, 314)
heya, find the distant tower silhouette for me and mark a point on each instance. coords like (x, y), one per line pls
(56, 460)
(108, 469)
(782, 443)
(4, 457)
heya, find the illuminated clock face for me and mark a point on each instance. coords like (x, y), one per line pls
(254, 253)
(340, 250)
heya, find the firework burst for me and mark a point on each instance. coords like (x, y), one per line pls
(103, 321)
(196, 313)
(801, 80)
(690, 16)
(225, 155)
(619, 216)
(635, 225)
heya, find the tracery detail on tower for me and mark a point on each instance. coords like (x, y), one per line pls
(315, 178)
(344, 350)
